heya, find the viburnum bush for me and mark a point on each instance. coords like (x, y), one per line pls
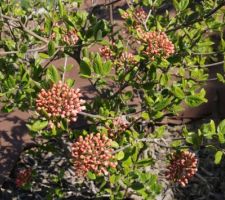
(144, 71)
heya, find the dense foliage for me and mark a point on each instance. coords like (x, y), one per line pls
(145, 70)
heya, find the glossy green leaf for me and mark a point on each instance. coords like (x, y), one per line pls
(120, 155)
(107, 67)
(178, 92)
(195, 100)
(91, 175)
(218, 157)
(183, 4)
(61, 8)
(52, 74)
(85, 68)
(38, 125)
(145, 162)
(114, 144)
(51, 48)
(221, 127)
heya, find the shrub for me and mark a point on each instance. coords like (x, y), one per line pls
(144, 72)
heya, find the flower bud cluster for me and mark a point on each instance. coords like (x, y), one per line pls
(60, 101)
(23, 177)
(158, 44)
(183, 166)
(106, 52)
(137, 13)
(127, 58)
(120, 123)
(71, 37)
(140, 14)
(93, 153)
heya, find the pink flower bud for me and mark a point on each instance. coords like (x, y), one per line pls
(92, 158)
(182, 167)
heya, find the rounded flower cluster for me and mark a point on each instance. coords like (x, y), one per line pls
(93, 153)
(106, 52)
(140, 14)
(183, 166)
(71, 37)
(137, 13)
(128, 58)
(121, 123)
(158, 44)
(60, 101)
(23, 177)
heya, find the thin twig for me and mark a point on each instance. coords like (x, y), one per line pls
(51, 59)
(94, 86)
(146, 20)
(213, 64)
(206, 54)
(64, 68)
(149, 140)
(93, 116)
(33, 34)
(24, 28)
(188, 23)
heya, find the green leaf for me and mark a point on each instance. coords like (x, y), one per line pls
(107, 67)
(51, 48)
(43, 55)
(48, 25)
(145, 162)
(1, 76)
(52, 74)
(112, 179)
(209, 129)
(159, 131)
(176, 143)
(38, 125)
(220, 78)
(99, 35)
(176, 5)
(114, 144)
(61, 8)
(221, 138)
(85, 69)
(183, 4)
(218, 157)
(145, 116)
(91, 175)
(98, 66)
(23, 48)
(137, 186)
(178, 92)
(221, 127)
(25, 4)
(161, 104)
(70, 82)
(195, 100)
(11, 81)
(120, 155)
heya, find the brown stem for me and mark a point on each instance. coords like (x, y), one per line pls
(189, 23)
